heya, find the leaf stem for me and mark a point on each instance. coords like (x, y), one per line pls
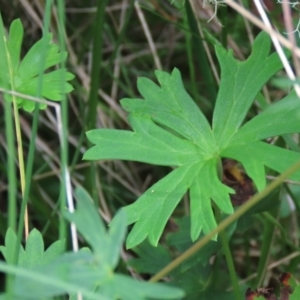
(21, 160)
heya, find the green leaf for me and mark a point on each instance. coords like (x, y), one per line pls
(106, 246)
(169, 129)
(150, 259)
(296, 294)
(125, 288)
(14, 44)
(34, 253)
(207, 186)
(4, 75)
(177, 108)
(251, 162)
(43, 53)
(34, 249)
(280, 118)
(70, 272)
(10, 244)
(240, 83)
(149, 143)
(153, 209)
(90, 273)
(273, 157)
(53, 79)
(181, 242)
(23, 77)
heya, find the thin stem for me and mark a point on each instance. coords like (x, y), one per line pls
(21, 161)
(18, 138)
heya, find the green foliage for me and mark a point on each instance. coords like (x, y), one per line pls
(26, 76)
(41, 275)
(296, 293)
(193, 275)
(169, 129)
(33, 255)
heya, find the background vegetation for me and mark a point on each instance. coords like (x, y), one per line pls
(110, 44)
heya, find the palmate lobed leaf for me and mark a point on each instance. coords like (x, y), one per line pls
(169, 129)
(23, 77)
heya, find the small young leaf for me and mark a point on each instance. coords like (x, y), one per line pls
(10, 244)
(34, 254)
(53, 80)
(34, 249)
(23, 77)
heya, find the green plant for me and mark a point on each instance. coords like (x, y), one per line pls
(26, 76)
(168, 125)
(41, 275)
(170, 130)
(22, 79)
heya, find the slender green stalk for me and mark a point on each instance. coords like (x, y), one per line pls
(18, 136)
(11, 168)
(224, 21)
(122, 32)
(268, 217)
(189, 51)
(10, 140)
(12, 184)
(267, 240)
(96, 63)
(225, 223)
(21, 160)
(64, 131)
(201, 57)
(95, 79)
